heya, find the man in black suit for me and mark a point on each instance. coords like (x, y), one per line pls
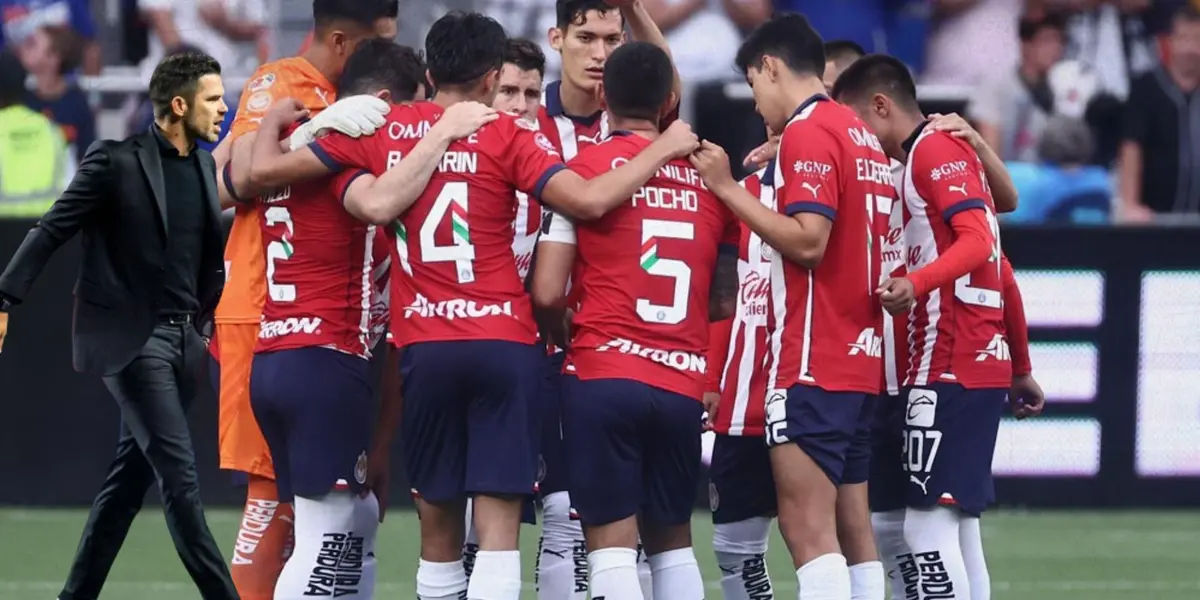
(152, 271)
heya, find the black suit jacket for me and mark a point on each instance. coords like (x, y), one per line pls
(118, 201)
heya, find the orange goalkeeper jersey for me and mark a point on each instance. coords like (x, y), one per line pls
(245, 265)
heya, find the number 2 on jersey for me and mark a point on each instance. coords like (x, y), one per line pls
(652, 231)
(279, 250)
(451, 199)
(980, 296)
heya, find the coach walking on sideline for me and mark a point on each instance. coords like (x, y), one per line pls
(152, 270)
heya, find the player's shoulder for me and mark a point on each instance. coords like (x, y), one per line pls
(933, 147)
(289, 71)
(510, 127)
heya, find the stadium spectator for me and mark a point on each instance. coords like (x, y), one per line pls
(704, 34)
(958, 24)
(1010, 109)
(232, 31)
(21, 18)
(49, 54)
(34, 162)
(1063, 188)
(1158, 158)
(1109, 36)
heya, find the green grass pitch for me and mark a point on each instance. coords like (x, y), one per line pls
(1043, 555)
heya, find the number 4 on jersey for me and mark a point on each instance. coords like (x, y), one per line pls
(453, 200)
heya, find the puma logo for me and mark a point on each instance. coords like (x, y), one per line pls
(810, 187)
(959, 188)
(922, 483)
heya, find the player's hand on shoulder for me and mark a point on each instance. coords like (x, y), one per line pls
(678, 140)
(956, 126)
(760, 156)
(1026, 397)
(354, 116)
(713, 164)
(897, 295)
(3, 328)
(465, 118)
(285, 111)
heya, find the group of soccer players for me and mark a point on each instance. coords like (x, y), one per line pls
(568, 280)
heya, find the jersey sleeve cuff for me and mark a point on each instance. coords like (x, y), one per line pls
(330, 163)
(544, 179)
(960, 206)
(810, 207)
(346, 187)
(227, 177)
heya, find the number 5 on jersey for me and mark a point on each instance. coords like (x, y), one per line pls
(652, 230)
(279, 250)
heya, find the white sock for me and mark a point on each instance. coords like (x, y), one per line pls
(932, 534)
(497, 576)
(441, 581)
(970, 540)
(471, 541)
(901, 571)
(741, 550)
(334, 550)
(676, 575)
(614, 574)
(562, 568)
(825, 577)
(645, 576)
(867, 581)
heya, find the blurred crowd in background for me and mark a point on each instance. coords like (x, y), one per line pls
(1093, 103)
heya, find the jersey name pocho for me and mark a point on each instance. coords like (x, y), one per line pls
(455, 276)
(644, 276)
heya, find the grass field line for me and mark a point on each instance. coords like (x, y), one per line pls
(1097, 585)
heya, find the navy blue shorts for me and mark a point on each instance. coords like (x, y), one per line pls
(949, 441)
(740, 485)
(316, 407)
(832, 428)
(552, 466)
(632, 448)
(888, 479)
(468, 427)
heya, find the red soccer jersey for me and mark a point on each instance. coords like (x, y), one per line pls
(454, 274)
(956, 332)
(647, 269)
(743, 376)
(827, 321)
(322, 271)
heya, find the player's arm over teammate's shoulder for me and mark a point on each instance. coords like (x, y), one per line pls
(808, 193)
(555, 259)
(573, 193)
(946, 173)
(1004, 191)
(1015, 326)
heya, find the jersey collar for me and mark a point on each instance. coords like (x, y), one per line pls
(813, 99)
(554, 106)
(768, 176)
(908, 143)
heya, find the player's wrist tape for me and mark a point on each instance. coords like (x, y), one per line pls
(227, 177)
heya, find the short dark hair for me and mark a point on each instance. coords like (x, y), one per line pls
(789, 37)
(179, 75)
(574, 12)
(360, 12)
(843, 52)
(637, 81)
(877, 74)
(1028, 27)
(525, 54)
(12, 79)
(68, 45)
(379, 64)
(461, 47)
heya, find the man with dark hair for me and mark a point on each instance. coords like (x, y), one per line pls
(521, 79)
(633, 416)
(961, 298)
(340, 26)
(51, 54)
(380, 65)
(142, 296)
(828, 177)
(585, 33)
(470, 361)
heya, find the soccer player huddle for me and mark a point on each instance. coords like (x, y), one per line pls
(573, 287)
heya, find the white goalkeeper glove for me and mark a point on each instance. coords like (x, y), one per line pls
(355, 116)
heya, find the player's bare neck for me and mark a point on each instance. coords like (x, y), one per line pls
(321, 58)
(800, 88)
(639, 127)
(446, 98)
(906, 125)
(175, 133)
(577, 101)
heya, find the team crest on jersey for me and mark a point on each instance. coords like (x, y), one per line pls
(260, 83)
(259, 102)
(768, 253)
(527, 124)
(714, 499)
(543, 142)
(360, 469)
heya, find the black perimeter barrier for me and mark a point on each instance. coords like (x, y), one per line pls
(1114, 318)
